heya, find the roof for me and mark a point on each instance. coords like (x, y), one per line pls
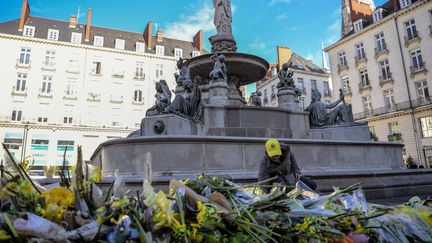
(297, 62)
(110, 35)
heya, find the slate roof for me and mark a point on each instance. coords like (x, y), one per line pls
(110, 35)
(297, 62)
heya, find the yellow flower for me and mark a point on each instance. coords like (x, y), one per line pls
(59, 196)
(4, 235)
(203, 212)
(164, 214)
(53, 212)
(99, 219)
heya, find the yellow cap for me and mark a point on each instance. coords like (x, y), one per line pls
(273, 147)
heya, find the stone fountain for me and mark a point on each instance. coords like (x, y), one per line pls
(207, 128)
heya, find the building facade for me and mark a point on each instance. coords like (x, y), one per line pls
(383, 64)
(307, 76)
(68, 84)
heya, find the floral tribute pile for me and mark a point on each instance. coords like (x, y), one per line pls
(203, 209)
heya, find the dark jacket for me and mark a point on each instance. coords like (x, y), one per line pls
(284, 170)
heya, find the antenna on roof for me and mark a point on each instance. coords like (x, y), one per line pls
(78, 14)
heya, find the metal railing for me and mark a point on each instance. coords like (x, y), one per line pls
(360, 59)
(20, 64)
(393, 108)
(411, 38)
(342, 67)
(364, 85)
(418, 68)
(383, 80)
(381, 50)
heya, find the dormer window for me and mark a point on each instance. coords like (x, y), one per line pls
(53, 34)
(160, 50)
(76, 38)
(98, 41)
(358, 25)
(405, 3)
(119, 44)
(377, 15)
(195, 53)
(29, 31)
(178, 53)
(140, 47)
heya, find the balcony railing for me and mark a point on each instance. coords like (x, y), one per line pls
(116, 100)
(384, 80)
(45, 94)
(93, 97)
(381, 51)
(395, 137)
(48, 66)
(19, 92)
(347, 91)
(70, 96)
(413, 38)
(360, 59)
(418, 69)
(73, 70)
(137, 102)
(394, 108)
(139, 76)
(23, 64)
(342, 67)
(364, 86)
(119, 75)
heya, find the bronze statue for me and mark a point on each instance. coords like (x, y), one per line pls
(223, 16)
(220, 69)
(338, 114)
(285, 78)
(163, 98)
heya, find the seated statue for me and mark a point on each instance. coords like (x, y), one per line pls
(220, 69)
(285, 78)
(256, 98)
(188, 105)
(183, 67)
(338, 114)
(163, 98)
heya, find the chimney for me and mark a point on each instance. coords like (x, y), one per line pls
(284, 55)
(396, 4)
(159, 35)
(88, 26)
(197, 41)
(25, 14)
(362, 10)
(73, 21)
(148, 35)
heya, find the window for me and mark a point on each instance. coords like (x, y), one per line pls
(139, 71)
(422, 90)
(358, 25)
(98, 41)
(346, 85)
(367, 105)
(119, 44)
(70, 87)
(73, 65)
(364, 77)
(377, 15)
(417, 59)
(342, 59)
(25, 56)
(140, 47)
(360, 52)
(393, 127)
(49, 59)
(314, 85)
(405, 3)
(385, 70)
(53, 34)
(159, 71)
(21, 82)
(76, 38)
(195, 53)
(326, 88)
(300, 83)
(389, 99)
(138, 96)
(160, 50)
(46, 85)
(178, 53)
(67, 120)
(16, 115)
(411, 29)
(42, 119)
(29, 31)
(96, 68)
(302, 103)
(118, 70)
(380, 41)
(426, 125)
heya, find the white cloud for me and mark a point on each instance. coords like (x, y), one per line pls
(281, 16)
(258, 44)
(188, 26)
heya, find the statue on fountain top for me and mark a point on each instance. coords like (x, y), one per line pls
(319, 116)
(163, 99)
(183, 67)
(219, 71)
(223, 17)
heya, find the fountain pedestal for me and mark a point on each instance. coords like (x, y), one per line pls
(287, 99)
(223, 43)
(218, 92)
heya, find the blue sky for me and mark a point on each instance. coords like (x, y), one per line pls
(259, 25)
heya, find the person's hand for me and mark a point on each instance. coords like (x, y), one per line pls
(297, 176)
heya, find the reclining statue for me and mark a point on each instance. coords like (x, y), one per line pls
(339, 114)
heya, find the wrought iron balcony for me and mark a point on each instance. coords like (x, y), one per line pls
(411, 39)
(23, 65)
(139, 76)
(116, 100)
(93, 97)
(386, 79)
(19, 92)
(118, 75)
(137, 102)
(45, 94)
(379, 51)
(360, 60)
(342, 67)
(48, 67)
(418, 69)
(70, 96)
(363, 86)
